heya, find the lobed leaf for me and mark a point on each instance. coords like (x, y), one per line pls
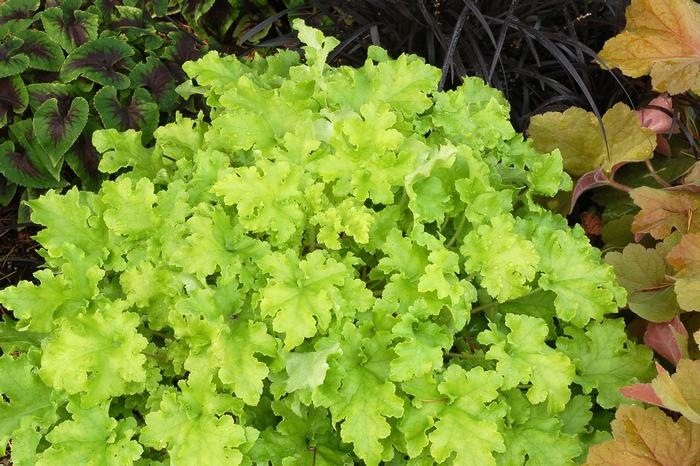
(578, 136)
(605, 360)
(661, 39)
(648, 436)
(685, 259)
(663, 211)
(644, 274)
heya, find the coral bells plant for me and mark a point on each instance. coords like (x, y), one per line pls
(341, 266)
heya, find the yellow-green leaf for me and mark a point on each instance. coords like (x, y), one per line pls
(578, 136)
(662, 39)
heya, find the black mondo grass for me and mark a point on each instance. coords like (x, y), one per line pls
(540, 53)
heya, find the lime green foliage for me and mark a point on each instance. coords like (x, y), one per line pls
(340, 266)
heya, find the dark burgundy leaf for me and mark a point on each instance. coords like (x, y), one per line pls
(101, 61)
(184, 48)
(106, 7)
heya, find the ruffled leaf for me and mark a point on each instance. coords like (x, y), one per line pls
(91, 436)
(524, 357)
(194, 425)
(98, 356)
(605, 359)
(24, 399)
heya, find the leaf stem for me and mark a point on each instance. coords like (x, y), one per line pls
(458, 231)
(619, 186)
(656, 175)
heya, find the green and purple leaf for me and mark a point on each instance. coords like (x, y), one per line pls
(183, 48)
(155, 76)
(24, 167)
(17, 15)
(43, 53)
(139, 112)
(84, 159)
(13, 97)
(57, 128)
(101, 61)
(12, 60)
(106, 7)
(41, 92)
(70, 28)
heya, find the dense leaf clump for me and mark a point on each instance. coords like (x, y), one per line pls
(341, 266)
(68, 68)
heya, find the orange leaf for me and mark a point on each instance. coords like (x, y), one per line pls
(645, 437)
(664, 210)
(685, 258)
(662, 38)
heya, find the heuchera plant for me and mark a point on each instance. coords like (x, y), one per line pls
(342, 266)
(70, 67)
(654, 218)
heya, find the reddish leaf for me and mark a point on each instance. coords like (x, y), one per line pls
(642, 392)
(592, 179)
(669, 339)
